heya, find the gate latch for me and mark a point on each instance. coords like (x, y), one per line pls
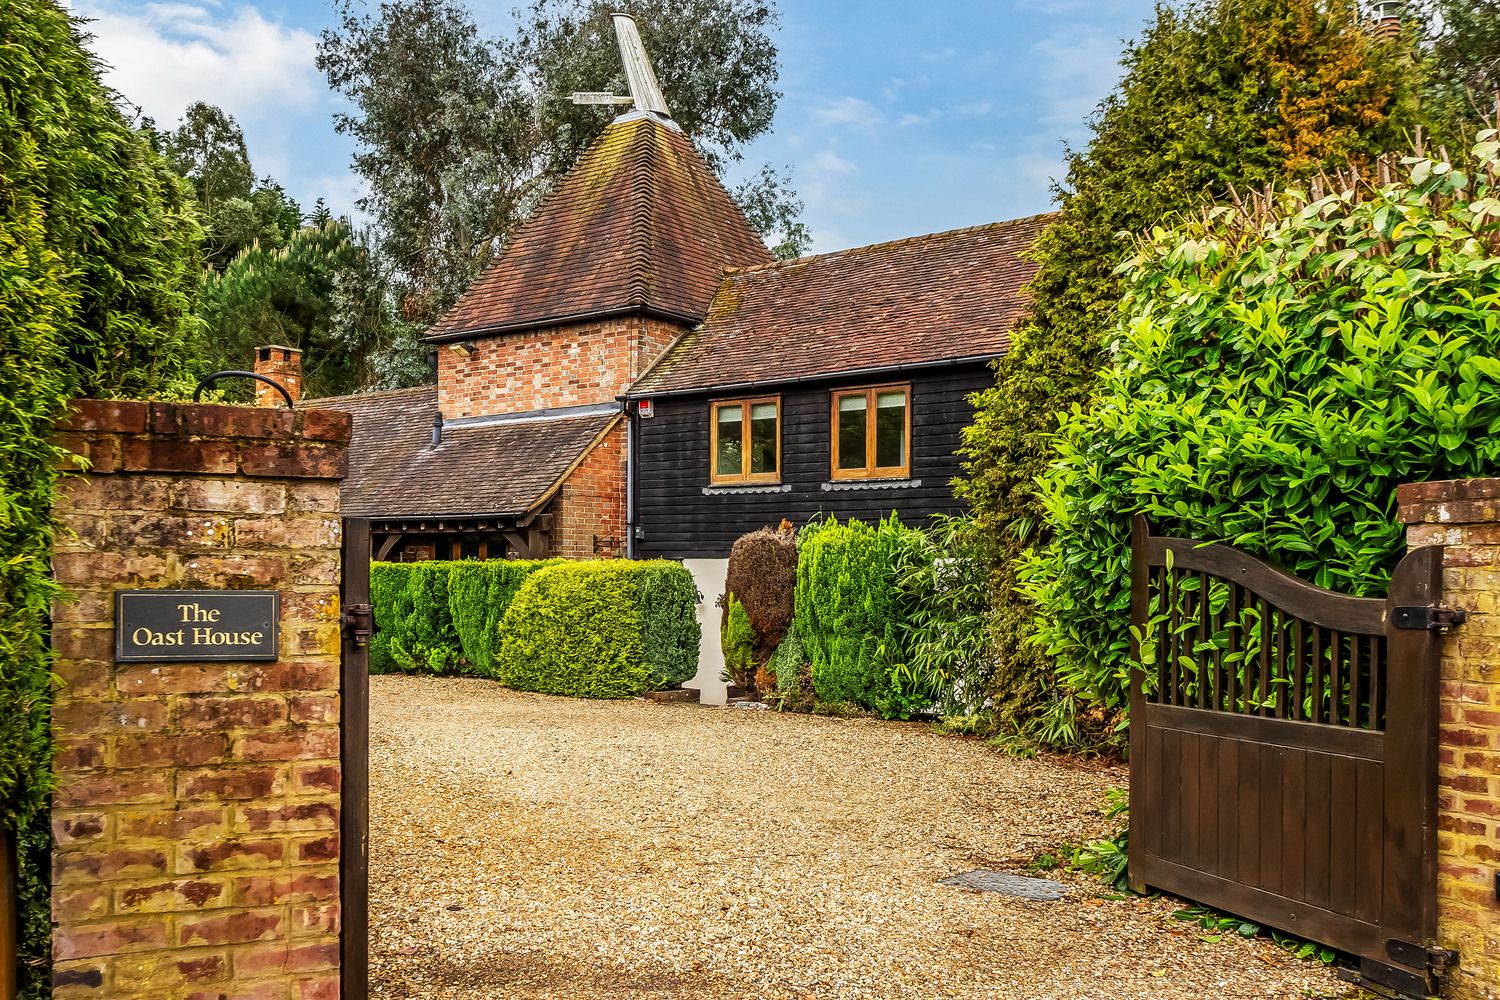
(1427, 618)
(359, 623)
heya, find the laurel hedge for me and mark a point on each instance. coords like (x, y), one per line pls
(1279, 368)
(601, 629)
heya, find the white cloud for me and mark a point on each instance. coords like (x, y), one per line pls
(854, 113)
(167, 55)
(826, 161)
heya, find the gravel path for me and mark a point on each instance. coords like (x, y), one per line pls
(526, 846)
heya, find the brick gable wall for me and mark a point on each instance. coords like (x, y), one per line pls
(573, 365)
(590, 508)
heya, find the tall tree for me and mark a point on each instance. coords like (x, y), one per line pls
(461, 136)
(1217, 94)
(1464, 62)
(208, 149)
(323, 293)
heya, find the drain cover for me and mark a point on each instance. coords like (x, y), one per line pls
(1022, 887)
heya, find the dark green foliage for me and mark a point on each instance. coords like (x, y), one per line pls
(1277, 372)
(762, 574)
(319, 290)
(669, 620)
(946, 627)
(1216, 94)
(603, 629)
(737, 641)
(208, 149)
(98, 266)
(1464, 66)
(478, 594)
(850, 615)
(424, 640)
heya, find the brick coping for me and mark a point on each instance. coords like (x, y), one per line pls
(134, 436)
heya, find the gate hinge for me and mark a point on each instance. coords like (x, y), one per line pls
(1427, 618)
(1416, 956)
(359, 623)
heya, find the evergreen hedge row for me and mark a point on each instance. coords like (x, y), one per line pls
(98, 273)
(601, 629)
(442, 617)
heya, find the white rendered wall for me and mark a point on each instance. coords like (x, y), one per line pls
(709, 574)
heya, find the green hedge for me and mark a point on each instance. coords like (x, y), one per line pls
(1277, 372)
(442, 617)
(602, 629)
(850, 612)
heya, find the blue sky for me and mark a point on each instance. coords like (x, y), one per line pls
(898, 118)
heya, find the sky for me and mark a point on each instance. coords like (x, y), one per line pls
(897, 118)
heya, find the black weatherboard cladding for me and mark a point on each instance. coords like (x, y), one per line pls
(680, 522)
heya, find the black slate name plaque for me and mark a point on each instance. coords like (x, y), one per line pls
(156, 626)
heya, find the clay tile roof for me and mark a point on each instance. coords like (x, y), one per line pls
(502, 469)
(639, 223)
(928, 298)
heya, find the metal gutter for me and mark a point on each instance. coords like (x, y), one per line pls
(583, 317)
(846, 373)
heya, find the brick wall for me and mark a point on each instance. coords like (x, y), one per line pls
(196, 815)
(571, 365)
(590, 507)
(1465, 517)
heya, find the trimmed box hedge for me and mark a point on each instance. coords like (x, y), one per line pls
(601, 629)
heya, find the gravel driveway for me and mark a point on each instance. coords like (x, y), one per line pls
(526, 846)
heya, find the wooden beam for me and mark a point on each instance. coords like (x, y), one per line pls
(386, 546)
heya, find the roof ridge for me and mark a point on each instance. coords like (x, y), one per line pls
(646, 195)
(371, 394)
(731, 271)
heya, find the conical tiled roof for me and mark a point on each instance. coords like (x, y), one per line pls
(640, 224)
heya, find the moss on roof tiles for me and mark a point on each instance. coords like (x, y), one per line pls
(640, 222)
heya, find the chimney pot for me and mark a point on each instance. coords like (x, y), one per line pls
(282, 365)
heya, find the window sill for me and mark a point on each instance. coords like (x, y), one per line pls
(839, 485)
(732, 488)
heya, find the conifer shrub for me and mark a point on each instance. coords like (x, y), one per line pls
(850, 613)
(424, 639)
(1277, 371)
(737, 640)
(1180, 128)
(478, 594)
(669, 598)
(601, 629)
(388, 598)
(792, 673)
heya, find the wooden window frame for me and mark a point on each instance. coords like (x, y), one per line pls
(869, 471)
(745, 477)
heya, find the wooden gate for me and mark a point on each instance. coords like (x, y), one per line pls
(354, 739)
(1284, 750)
